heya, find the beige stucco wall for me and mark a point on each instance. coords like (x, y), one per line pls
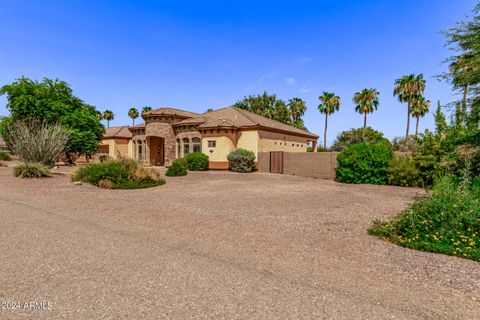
(116, 146)
(223, 147)
(273, 141)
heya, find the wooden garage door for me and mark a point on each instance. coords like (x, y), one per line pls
(276, 162)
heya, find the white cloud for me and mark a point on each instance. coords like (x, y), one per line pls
(304, 89)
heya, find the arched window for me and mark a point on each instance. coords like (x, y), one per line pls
(197, 145)
(179, 149)
(186, 146)
(139, 150)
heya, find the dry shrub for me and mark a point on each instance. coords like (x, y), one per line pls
(36, 142)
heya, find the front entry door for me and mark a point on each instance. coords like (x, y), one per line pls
(157, 151)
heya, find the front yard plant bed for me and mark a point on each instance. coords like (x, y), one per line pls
(118, 174)
(447, 221)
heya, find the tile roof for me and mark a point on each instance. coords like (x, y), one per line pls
(239, 118)
(117, 132)
(170, 111)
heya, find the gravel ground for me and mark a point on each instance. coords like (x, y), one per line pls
(219, 245)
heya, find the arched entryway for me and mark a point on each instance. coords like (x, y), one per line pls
(157, 151)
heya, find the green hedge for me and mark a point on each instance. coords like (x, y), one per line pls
(197, 161)
(177, 169)
(364, 163)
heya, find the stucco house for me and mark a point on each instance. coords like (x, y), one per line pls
(169, 133)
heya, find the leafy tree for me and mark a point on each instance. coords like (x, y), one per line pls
(329, 104)
(440, 122)
(146, 109)
(266, 105)
(109, 116)
(420, 107)
(407, 88)
(133, 113)
(354, 136)
(297, 109)
(53, 101)
(366, 101)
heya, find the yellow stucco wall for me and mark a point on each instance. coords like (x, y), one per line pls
(249, 140)
(223, 147)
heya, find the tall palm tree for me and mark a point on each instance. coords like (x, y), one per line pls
(366, 101)
(109, 116)
(461, 69)
(133, 113)
(329, 104)
(420, 107)
(297, 109)
(407, 88)
(146, 109)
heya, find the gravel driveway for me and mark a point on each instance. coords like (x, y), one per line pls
(219, 245)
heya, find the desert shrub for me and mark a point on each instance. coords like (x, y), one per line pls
(428, 168)
(447, 221)
(241, 160)
(364, 163)
(177, 169)
(353, 136)
(118, 174)
(37, 142)
(5, 156)
(31, 170)
(403, 172)
(197, 161)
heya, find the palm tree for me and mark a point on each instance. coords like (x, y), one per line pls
(133, 113)
(108, 115)
(366, 102)
(297, 109)
(407, 88)
(329, 104)
(146, 109)
(460, 69)
(420, 107)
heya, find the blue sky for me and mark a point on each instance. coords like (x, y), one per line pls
(196, 55)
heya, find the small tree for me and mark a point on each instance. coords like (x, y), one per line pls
(366, 101)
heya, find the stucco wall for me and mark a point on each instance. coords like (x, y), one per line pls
(223, 147)
(273, 141)
(305, 164)
(248, 140)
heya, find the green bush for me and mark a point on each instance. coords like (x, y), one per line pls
(118, 174)
(447, 221)
(403, 172)
(241, 160)
(364, 163)
(177, 169)
(353, 136)
(31, 170)
(5, 156)
(197, 161)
